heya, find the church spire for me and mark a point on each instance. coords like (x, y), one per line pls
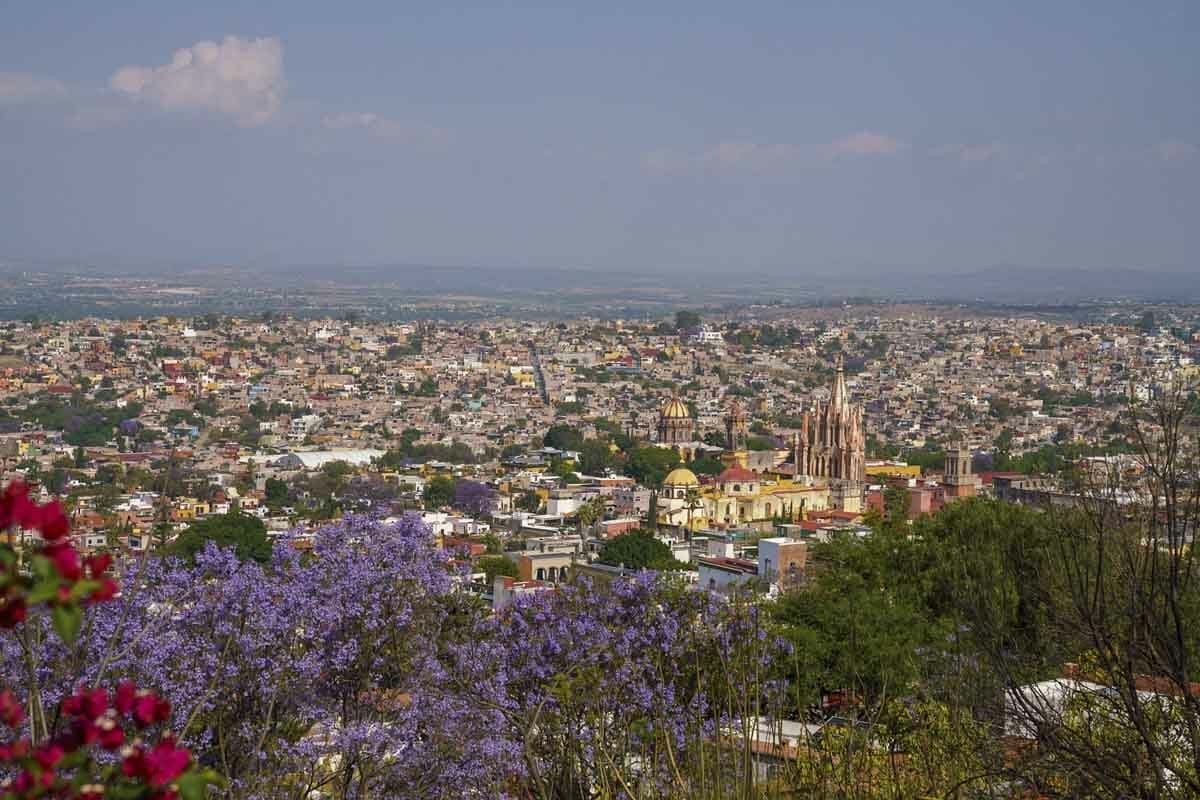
(838, 399)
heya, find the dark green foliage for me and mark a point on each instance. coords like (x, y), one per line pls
(408, 449)
(706, 466)
(563, 437)
(595, 457)
(891, 614)
(649, 465)
(574, 407)
(638, 550)
(497, 565)
(686, 320)
(528, 501)
(246, 534)
(277, 492)
(83, 422)
(411, 348)
(439, 491)
(1001, 408)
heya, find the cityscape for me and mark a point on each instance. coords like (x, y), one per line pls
(658, 403)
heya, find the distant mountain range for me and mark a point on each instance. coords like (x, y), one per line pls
(1000, 284)
(1047, 286)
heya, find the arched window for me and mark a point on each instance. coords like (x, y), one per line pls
(737, 487)
(541, 574)
(552, 573)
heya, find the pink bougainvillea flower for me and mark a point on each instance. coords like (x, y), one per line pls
(65, 559)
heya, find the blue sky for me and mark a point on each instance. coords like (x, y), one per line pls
(794, 137)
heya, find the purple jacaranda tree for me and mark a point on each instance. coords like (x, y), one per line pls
(317, 673)
(370, 494)
(626, 689)
(361, 669)
(475, 498)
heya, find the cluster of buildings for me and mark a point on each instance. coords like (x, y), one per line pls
(782, 424)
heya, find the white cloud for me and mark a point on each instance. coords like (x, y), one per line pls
(381, 127)
(865, 143)
(1175, 150)
(20, 87)
(238, 78)
(971, 153)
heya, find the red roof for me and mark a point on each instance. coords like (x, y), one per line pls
(987, 477)
(736, 472)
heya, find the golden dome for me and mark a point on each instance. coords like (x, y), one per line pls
(681, 476)
(675, 409)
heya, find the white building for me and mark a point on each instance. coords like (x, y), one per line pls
(316, 459)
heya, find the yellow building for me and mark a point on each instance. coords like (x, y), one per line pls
(737, 497)
(891, 469)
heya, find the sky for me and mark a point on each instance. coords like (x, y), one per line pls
(791, 138)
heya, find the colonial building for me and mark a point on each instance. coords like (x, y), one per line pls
(675, 424)
(957, 479)
(737, 496)
(831, 443)
(736, 430)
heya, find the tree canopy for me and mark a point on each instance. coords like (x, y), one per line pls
(638, 550)
(563, 437)
(649, 465)
(246, 534)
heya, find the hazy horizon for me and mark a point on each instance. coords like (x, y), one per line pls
(852, 141)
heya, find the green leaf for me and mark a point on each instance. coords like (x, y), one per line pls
(67, 620)
(43, 591)
(83, 588)
(72, 760)
(193, 783)
(41, 568)
(123, 791)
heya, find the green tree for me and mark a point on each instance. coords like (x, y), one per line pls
(590, 512)
(707, 466)
(277, 492)
(528, 501)
(895, 505)
(638, 550)
(439, 491)
(649, 465)
(563, 437)
(246, 534)
(494, 565)
(686, 320)
(595, 457)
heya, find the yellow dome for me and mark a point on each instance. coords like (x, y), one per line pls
(675, 409)
(681, 477)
